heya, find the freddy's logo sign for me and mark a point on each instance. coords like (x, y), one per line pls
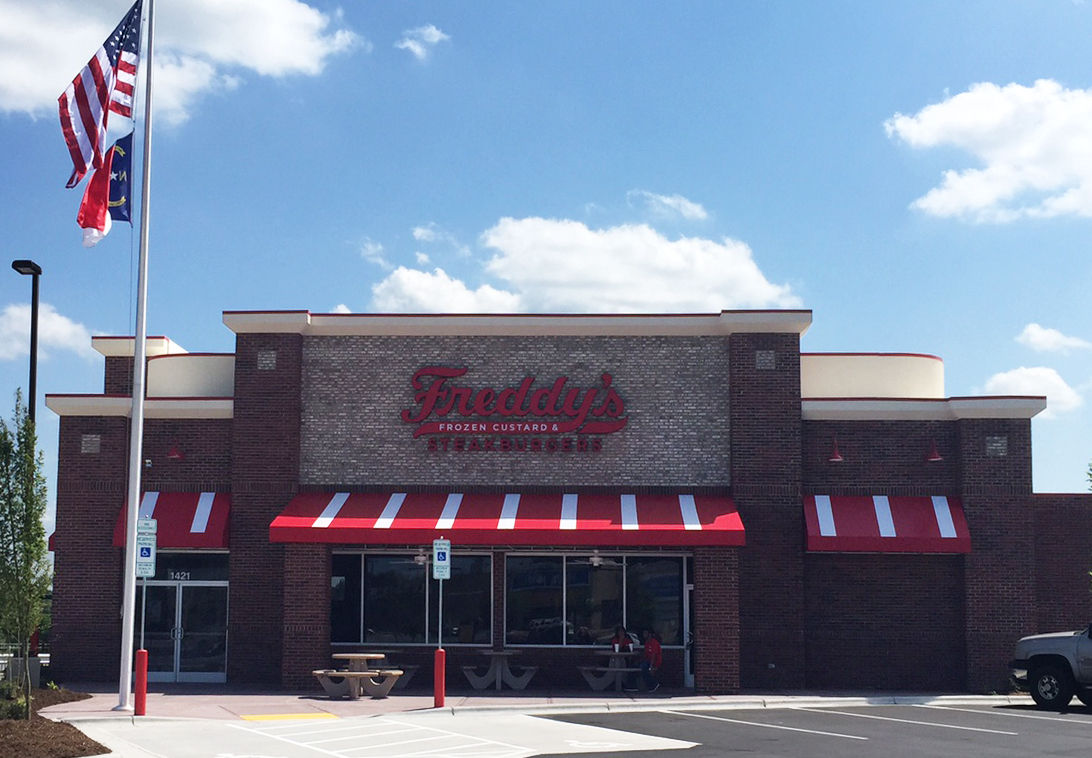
(443, 407)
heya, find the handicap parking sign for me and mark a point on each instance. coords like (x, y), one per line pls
(441, 559)
(145, 552)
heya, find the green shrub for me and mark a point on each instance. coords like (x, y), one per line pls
(13, 708)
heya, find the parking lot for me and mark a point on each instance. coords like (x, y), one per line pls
(892, 731)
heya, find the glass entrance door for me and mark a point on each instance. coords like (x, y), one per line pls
(185, 631)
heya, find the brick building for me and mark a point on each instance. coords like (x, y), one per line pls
(781, 519)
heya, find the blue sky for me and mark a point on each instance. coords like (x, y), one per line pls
(919, 174)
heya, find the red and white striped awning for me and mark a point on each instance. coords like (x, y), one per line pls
(184, 519)
(509, 519)
(886, 524)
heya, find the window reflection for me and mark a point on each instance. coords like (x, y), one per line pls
(593, 599)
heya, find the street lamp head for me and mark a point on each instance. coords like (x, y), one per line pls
(27, 268)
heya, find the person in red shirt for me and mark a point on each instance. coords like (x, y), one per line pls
(653, 660)
(621, 639)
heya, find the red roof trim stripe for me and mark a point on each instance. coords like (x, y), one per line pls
(886, 524)
(509, 519)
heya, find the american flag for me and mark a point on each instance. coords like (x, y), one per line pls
(105, 84)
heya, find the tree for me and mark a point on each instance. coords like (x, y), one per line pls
(24, 566)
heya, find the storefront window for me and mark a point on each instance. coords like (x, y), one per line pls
(384, 598)
(533, 600)
(468, 602)
(345, 598)
(654, 597)
(593, 599)
(394, 599)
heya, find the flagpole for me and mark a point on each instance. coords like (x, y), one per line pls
(136, 430)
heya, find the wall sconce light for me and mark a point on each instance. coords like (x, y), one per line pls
(174, 453)
(596, 559)
(934, 455)
(420, 559)
(835, 456)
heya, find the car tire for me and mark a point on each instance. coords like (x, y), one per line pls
(1085, 696)
(1051, 687)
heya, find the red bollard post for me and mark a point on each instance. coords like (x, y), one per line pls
(140, 687)
(439, 678)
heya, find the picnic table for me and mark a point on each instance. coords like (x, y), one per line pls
(614, 673)
(499, 672)
(358, 677)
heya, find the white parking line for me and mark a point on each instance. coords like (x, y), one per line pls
(1009, 714)
(766, 726)
(373, 734)
(906, 721)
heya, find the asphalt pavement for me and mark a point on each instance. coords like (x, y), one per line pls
(214, 721)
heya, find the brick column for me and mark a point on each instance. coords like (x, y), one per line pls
(498, 600)
(716, 618)
(265, 476)
(766, 475)
(306, 614)
(91, 481)
(1000, 571)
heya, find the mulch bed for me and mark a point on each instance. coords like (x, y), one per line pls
(42, 738)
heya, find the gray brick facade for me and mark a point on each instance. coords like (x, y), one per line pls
(675, 392)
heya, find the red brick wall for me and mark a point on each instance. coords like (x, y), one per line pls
(306, 613)
(1000, 570)
(205, 445)
(716, 620)
(884, 622)
(766, 428)
(881, 458)
(91, 491)
(85, 641)
(265, 471)
(1063, 558)
(861, 607)
(118, 375)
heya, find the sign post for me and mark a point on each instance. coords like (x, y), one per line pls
(441, 570)
(145, 568)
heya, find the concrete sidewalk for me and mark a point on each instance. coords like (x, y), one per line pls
(204, 701)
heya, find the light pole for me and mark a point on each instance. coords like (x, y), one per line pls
(33, 270)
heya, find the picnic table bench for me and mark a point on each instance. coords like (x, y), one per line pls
(601, 677)
(340, 683)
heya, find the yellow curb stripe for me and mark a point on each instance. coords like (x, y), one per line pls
(287, 716)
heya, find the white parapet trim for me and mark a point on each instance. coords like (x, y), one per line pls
(122, 347)
(871, 375)
(192, 375)
(914, 409)
(154, 407)
(518, 325)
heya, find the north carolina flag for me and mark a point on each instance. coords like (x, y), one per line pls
(108, 193)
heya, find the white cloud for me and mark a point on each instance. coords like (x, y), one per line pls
(1034, 144)
(421, 41)
(424, 233)
(54, 332)
(433, 234)
(372, 252)
(668, 206)
(1047, 340)
(563, 265)
(1037, 380)
(342, 308)
(44, 45)
(410, 291)
(422, 258)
